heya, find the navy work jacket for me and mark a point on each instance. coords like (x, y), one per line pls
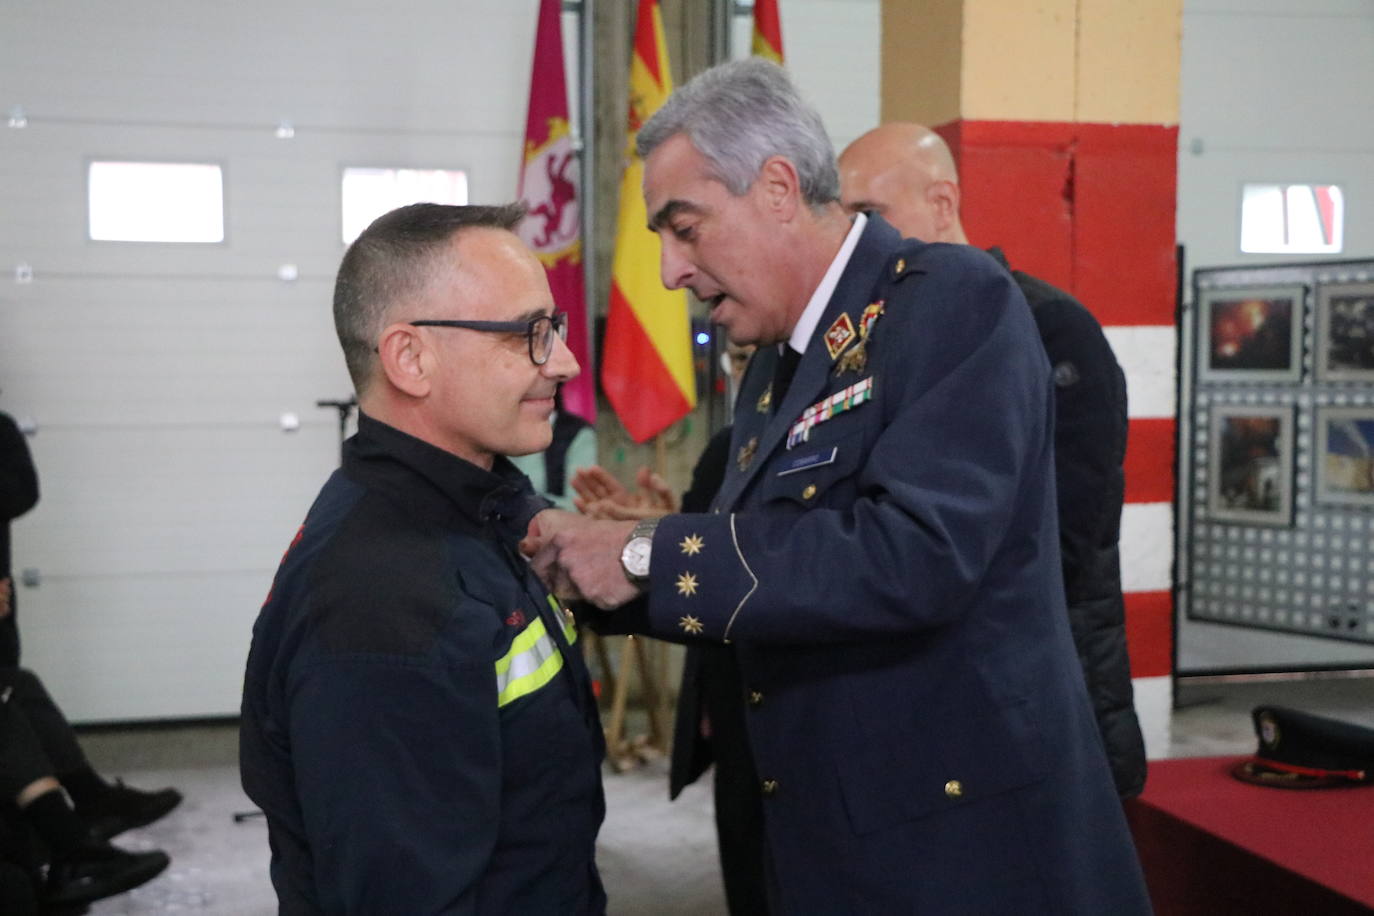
(416, 727)
(883, 560)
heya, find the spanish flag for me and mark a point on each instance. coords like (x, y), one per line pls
(646, 365)
(767, 31)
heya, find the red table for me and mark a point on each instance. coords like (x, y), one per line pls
(1211, 844)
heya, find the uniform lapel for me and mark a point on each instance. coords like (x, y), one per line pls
(851, 295)
(753, 410)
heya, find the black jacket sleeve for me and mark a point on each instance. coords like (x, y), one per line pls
(1089, 434)
(18, 479)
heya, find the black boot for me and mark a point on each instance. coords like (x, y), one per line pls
(120, 808)
(97, 870)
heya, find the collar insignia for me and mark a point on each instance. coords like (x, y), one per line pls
(838, 335)
(746, 453)
(856, 360)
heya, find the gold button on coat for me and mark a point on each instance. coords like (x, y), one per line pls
(954, 788)
(769, 787)
(755, 698)
(809, 492)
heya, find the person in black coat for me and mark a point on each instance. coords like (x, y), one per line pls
(18, 494)
(905, 173)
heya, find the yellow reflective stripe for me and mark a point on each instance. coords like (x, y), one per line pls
(569, 625)
(532, 681)
(532, 662)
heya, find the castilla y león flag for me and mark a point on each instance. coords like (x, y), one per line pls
(548, 186)
(646, 369)
(767, 31)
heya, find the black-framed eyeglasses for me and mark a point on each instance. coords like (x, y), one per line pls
(539, 332)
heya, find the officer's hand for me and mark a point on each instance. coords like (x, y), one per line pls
(582, 561)
(605, 509)
(545, 524)
(5, 606)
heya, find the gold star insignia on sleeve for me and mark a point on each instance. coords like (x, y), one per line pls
(686, 584)
(691, 625)
(692, 544)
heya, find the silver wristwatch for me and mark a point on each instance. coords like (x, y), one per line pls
(634, 556)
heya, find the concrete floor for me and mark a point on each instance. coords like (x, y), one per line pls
(656, 858)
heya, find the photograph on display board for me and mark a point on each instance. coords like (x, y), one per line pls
(1345, 332)
(1251, 465)
(1250, 335)
(1345, 456)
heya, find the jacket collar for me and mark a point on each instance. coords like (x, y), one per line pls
(435, 483)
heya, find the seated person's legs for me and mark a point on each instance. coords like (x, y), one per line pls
(108, 809)
(83, 867)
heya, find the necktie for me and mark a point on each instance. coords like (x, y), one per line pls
(782, 375)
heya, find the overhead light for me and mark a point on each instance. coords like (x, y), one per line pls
(285, 130)
(17, 118)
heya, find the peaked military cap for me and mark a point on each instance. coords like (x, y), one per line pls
(1299, 750)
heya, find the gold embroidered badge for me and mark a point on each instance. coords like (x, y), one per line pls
(838, 335)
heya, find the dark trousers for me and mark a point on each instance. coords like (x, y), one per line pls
(18, 893)
(739, 806)
(35, 738)
(9, 632)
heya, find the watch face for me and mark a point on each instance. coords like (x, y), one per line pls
(635, 556)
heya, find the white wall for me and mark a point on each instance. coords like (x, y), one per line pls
(1272, 91)
(156, 373)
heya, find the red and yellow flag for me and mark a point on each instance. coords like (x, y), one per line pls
(767, 31)
(548, 186)
(646, 366)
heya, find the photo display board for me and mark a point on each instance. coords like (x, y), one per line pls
(1281, 433)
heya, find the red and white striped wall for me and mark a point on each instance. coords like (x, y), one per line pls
(1062, 116)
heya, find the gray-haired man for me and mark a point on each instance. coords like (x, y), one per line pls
(883, 559)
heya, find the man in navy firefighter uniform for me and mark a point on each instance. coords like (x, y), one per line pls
(416, 726)
(882, 559)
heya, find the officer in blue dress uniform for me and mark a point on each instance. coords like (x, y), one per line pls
(882, 559)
